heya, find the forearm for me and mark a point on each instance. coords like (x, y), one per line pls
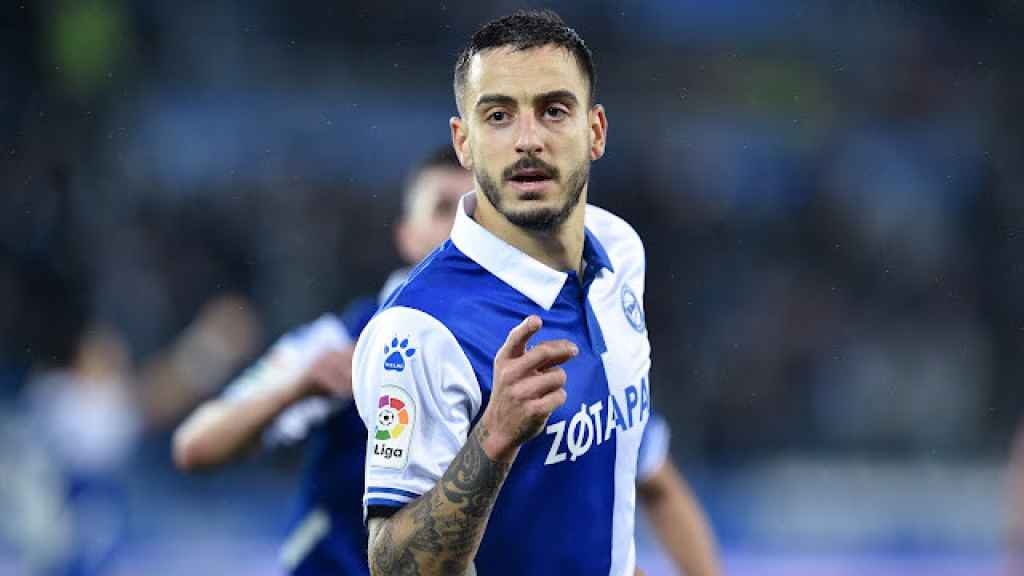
(176, 378)
(1016, 500)
(440, 532)
(223, 429)
(680, 523)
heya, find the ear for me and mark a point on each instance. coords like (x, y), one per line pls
(460, 141)
(598, 131)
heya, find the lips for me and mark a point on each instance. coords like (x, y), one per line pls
(528, 176)
(530, 189)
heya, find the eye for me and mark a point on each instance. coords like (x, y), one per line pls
(498, 117)
(556, 112)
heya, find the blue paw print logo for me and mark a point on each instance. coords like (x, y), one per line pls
(396, 353)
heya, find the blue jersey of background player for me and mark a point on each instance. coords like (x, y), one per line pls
(301, 389)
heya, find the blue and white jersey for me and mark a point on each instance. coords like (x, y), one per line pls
(422, 377)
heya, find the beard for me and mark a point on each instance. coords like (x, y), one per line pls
(536, 219)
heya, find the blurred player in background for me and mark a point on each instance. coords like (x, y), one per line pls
(671, 507)
(1015, 538)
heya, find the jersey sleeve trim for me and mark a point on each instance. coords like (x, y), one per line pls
(395, 491)
(374, 502)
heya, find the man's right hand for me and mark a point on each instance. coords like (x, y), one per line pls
(529, 384)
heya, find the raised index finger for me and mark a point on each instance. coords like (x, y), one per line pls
(515, 343)
(545, 355)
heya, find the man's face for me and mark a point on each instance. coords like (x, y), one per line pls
(528, 133)
(428, 222)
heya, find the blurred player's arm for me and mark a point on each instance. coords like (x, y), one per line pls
(222, 337)
(1016, 509)
(440, 531)
(679, 520)
(223, 428)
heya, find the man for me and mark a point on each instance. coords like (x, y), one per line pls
(302, 388)
(486, 452)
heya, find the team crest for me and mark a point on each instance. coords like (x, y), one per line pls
(396, 353)
(632, 309)
(392, 433)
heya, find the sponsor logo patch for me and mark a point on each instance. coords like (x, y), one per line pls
(396, 353)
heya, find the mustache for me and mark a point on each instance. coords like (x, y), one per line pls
(531, 163)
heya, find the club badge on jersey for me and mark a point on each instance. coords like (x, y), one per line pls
(633, 310)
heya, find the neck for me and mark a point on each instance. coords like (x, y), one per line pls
(560, 249)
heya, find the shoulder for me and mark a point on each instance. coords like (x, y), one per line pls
(618, 237)
(444, 286)
(402, 342)
(400, 323)
(412, 350)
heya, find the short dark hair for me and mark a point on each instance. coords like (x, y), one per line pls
(523, 30)
(441, 157)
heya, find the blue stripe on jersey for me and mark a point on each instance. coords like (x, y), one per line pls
(558, 515)
(385, 502)
(380, 489)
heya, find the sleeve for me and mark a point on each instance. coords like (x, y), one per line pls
(653, 448)
(285, 361)
(416, 391)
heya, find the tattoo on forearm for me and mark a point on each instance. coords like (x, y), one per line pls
(441, 530)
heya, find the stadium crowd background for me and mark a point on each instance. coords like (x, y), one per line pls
(829, 193)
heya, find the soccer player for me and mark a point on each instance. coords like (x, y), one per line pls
(505, 383)
(302, 388)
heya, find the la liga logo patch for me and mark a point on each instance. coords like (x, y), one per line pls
(392, 418)
(392, 433)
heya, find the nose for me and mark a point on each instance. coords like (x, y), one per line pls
(529, 140)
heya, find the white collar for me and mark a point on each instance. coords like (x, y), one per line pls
(535, 280)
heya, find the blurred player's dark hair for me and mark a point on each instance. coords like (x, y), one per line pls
(523, 30)
(441, 157)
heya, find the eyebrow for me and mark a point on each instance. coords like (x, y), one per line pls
(502, 99)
